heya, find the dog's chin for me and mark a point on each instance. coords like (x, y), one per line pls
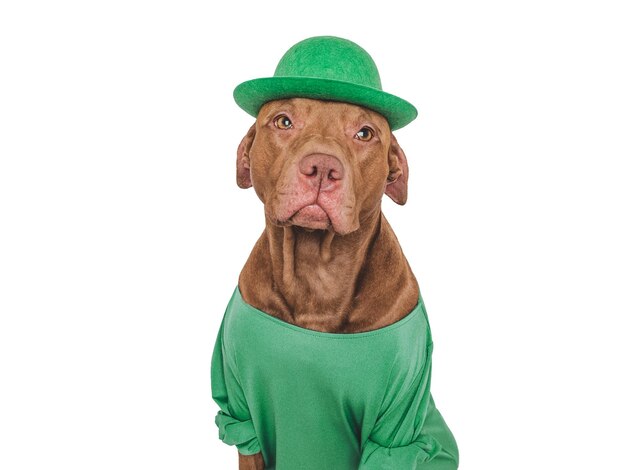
(311, 217)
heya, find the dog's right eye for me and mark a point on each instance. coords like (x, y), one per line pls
(283, 122)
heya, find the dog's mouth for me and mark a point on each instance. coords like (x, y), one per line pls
(315, 213)
(312, 216)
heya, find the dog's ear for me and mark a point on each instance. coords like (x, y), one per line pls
(243, 159)
(398, 179)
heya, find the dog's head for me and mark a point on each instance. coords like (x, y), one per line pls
(321, 165)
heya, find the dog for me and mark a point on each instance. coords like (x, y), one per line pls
(324, 353)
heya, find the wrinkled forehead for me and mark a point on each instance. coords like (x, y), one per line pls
(322, 109)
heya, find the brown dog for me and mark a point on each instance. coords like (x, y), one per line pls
(328, 259)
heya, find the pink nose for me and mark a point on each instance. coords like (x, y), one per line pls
(324, 171)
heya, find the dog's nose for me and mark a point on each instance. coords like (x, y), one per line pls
(324, 170)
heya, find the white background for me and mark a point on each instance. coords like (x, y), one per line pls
(123, 232)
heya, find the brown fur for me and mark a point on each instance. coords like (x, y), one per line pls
(343, 281)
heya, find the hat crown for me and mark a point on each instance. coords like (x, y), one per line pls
(332, 58)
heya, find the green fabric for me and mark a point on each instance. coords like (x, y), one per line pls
(326, 68)
(313, 400)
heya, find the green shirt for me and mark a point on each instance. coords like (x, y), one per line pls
(314, 400)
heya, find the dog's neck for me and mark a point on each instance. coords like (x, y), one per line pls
(325, 282)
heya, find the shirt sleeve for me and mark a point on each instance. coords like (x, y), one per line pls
(233, 419)
(400, 439)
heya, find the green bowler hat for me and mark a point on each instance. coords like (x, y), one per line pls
(326, 68)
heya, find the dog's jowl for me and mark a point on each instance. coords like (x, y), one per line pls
(324, 355)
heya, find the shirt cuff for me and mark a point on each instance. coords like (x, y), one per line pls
(377, 457)
(240, 433)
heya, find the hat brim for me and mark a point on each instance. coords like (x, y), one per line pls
(253, 94)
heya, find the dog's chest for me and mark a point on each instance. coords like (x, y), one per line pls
(275, 359)
(309, 390)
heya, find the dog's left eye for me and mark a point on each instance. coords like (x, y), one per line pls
(283, 122)
(365, 134)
